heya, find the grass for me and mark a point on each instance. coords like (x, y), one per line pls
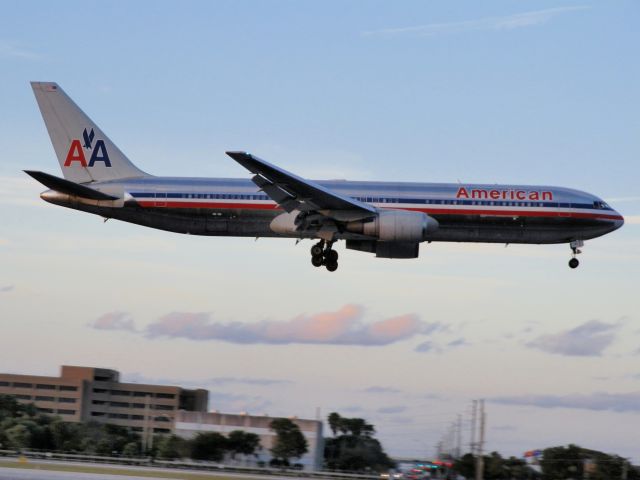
(117, 471)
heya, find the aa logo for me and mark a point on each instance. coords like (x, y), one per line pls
(98, 151)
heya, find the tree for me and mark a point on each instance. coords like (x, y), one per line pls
(355, 449)
(10, 407)
(244, 443)
(571, 461)
(171, 447)
(356, 453)
(208, 446)
(131, 449)
(334, 420)
(290, 443)
(495, 467)
(19, 436)
(357, 427)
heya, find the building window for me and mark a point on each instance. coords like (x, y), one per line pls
(66, 412)
(41, 398)
(136, 429)
(68, 388)
(101, 378)
(66, 400)
(22, 385)
(97, 414)
(141, 394)
(119, 415)
(45, 410)
(161, 430)
(99, 390)
(123, 393)
(44, 386)
(163, 407)
(137, 417)
(119, 404)
(138, 405)
(162, 419)
(4, 384)
(23, 397)
(98, 402)
(165, 395)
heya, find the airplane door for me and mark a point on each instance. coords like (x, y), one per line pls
(161, 199)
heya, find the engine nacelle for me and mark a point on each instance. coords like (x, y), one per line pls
(285, 223)
(386, 249)
(397, 226)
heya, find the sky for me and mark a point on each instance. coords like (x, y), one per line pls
(527, 92)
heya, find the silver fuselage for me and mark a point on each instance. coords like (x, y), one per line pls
(477, 213)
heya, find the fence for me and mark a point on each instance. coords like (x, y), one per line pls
(181, 465)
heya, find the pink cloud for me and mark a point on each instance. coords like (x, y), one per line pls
(114, 321)
(346, 326)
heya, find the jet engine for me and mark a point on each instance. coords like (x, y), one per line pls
(396, 226)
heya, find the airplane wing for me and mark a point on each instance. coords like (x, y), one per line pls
(291, 192)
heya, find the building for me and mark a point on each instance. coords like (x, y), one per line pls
(83, 394)
(189, 424)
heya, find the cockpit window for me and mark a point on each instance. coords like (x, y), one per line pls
(601, 205)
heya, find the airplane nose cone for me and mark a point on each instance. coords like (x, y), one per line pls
(619, 222)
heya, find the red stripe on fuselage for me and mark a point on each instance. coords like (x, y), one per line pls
(515, 213)
(212, 205)
(428, 211)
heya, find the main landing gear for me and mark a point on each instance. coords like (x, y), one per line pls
(323, 254)
(575, 249)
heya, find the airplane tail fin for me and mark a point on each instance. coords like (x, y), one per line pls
(85, 153)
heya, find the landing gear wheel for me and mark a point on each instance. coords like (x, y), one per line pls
(317, 249)
(332, 267)
(575, 245)
(317, 260)
(331, 256)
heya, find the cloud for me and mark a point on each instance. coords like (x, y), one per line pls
(426, 347)
(586, 340)
(351, 409)
(342, 327)
(7, 288)
(13, 50)
(377, 389)
(430, 347)
(507, 22)
(233, 402)
(392, 410)
(114, 321)
(261, 382)
(458, 342)
(401, 420)
(599, 401)
(214, 381)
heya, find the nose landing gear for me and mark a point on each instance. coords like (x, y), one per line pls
(575, 249)
(323, 254)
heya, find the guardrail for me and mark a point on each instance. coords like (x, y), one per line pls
(182, 465)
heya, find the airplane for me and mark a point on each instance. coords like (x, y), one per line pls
(388, 219)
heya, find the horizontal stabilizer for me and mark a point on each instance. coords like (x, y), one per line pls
(66, 186)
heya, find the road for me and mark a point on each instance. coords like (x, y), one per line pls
(29, 474)
(59, 470)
